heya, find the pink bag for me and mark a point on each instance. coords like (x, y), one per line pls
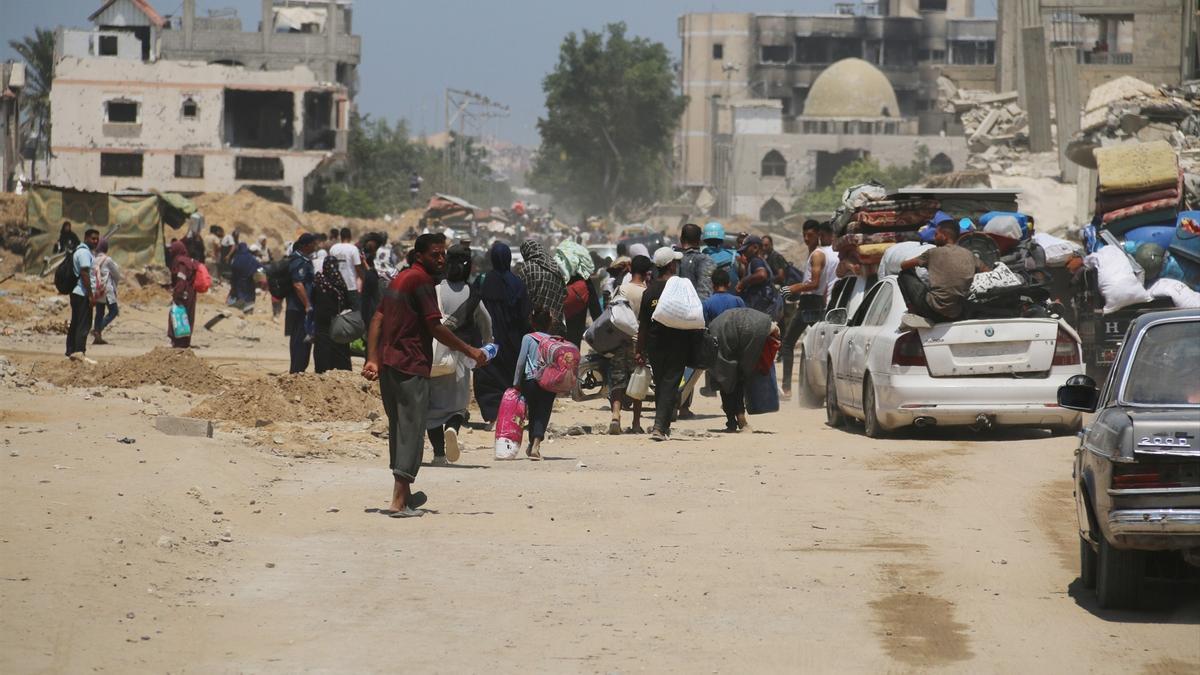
(558, 364)
(510, 424)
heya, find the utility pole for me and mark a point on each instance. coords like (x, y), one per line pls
(470, 111)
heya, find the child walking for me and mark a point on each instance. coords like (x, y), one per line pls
(540, 403)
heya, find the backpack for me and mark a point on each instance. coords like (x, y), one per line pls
(203, 280)
(65, 277)
(577, 298)
(557, 361)
(279, 277)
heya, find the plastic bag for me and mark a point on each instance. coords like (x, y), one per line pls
(679, 307)
(639, 384)
(999, 277)
(510, 424)
(1177, 291)
(180, 326)
(1118, 284)
(889, 264)
(347, 327)
(623, 316)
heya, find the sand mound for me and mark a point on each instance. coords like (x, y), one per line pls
(178, 368)
(254, 216)
(336, 396)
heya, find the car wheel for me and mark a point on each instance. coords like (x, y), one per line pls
(833, 414)
(871, 426)
(1118, 576)
(1087, 564)
(808, 397)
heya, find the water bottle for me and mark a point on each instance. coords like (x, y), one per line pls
(491, 349)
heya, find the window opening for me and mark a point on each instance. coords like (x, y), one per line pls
(120, 164)
(125, 112)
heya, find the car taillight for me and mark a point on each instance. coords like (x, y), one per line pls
(1143, 478)
(1066, 350)
(908, 350)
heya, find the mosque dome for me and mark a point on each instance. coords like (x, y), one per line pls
(851, 88)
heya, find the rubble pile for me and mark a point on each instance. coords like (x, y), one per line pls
(988, 118)
(163, 366)
(1128, 110)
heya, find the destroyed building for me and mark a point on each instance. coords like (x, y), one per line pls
(143, 102)
(12, 82)
(731, 58)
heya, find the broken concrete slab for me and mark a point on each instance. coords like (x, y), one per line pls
(183, 426)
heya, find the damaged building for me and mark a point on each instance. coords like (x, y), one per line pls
(144, 101)
(761, 166)
(729, 59)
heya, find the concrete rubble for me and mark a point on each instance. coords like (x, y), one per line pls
(1129, 110)
(989, 119)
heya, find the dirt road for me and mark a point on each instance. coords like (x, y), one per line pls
(796, 548)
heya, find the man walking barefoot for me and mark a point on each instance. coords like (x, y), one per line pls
(399, 354)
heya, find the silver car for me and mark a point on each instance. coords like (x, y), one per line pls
(1137, 470)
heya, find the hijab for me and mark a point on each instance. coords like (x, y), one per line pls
(244, 262)
(501, 284)
(330, 280)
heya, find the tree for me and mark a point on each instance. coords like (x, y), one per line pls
(611, 112)
(381, 156)
(38, 52)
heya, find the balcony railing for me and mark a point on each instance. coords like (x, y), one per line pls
(1105, 58)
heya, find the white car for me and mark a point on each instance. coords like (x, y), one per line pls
(980, 373)
(844, 299)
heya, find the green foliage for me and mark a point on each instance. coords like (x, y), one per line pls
(381, 159)
(861, 171)
(38, 52)
(612, 109)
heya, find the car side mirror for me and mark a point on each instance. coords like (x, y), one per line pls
(837, 317)
(1079, 393)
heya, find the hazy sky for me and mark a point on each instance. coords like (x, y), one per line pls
(413, 50)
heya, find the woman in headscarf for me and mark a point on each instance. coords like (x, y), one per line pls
(108, 273)
(68, 241)
(507, 302)
(370, 296)
(329, 299)
(183, 290)
(449, 395)
(741, 334)
(545, 282)
(244, 266)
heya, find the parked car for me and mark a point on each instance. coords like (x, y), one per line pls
(844, 299)
(1137, 468)
(980, 372)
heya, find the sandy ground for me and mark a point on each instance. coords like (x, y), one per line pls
(796, 548)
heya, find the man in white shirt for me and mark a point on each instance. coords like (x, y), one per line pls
(82, 296)
(350, 264)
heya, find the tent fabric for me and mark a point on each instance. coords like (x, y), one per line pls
(131, 223)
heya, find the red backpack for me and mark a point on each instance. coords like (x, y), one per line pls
(203, 280)
(558, 361)
(577, 298)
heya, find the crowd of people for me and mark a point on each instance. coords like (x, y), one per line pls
(436, 332)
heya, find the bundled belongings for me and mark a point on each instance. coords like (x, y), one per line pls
(1140, 188)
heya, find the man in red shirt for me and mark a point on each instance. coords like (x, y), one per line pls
(399, 354)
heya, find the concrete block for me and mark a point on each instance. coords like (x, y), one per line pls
(183, 426)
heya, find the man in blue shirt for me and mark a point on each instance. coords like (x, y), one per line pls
(82, 296)
(721, 299)
(299, 302)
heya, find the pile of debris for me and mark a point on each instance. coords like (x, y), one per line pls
(1130, 110)
(988, 118)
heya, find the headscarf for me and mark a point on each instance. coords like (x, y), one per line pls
(458, 263)
(546, 285)
(330, 280)
(574, 260)
(244, 262)
(501, 285)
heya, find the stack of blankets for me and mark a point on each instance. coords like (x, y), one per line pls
(1139, 193)
(878, 224)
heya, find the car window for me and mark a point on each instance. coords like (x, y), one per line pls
(862, 307)
(841, 292)
(1163, 369)
(880, 307)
